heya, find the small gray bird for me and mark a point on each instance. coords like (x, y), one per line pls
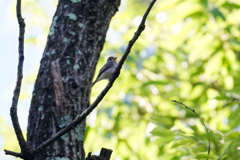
(107, 70)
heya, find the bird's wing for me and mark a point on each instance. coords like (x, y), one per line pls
(104, 68)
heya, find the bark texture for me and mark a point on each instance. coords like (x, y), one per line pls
(63, 85)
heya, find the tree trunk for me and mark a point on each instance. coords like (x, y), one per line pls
(63, 84)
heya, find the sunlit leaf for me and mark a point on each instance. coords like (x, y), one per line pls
(162, 141)
(161, 132)
(160, 120)
(201, 155)
(186, 141)
(200, 148)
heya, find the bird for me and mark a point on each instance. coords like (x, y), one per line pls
(107, 70)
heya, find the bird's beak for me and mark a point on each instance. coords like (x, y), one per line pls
(115, 58)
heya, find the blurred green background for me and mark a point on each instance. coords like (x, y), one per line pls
(189, 52)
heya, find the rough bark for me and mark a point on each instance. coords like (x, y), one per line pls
(63, 84)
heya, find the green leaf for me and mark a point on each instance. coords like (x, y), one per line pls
(181, 142)
(216, 13)
(214, 137)
(202, 155)
(233, 150)
(154, 83)
(165, 121)
(231, 6)
(234, 118)
(196, 92)
(200, 148)
(161, 132)
(163, 140)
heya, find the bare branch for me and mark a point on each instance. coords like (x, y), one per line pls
(115, 75)
(7, 152)
(202, 121)
(13, 110)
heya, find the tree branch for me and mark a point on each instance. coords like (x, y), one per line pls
(25, 151)
(7, 152)
(115, 75)
(202, 121)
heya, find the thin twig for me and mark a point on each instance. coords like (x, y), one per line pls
(202, 121)
(13, 111)
(84, 114)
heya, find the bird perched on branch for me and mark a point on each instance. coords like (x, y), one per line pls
(107, 70)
